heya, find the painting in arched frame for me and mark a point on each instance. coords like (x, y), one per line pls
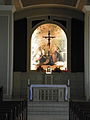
(48, 47)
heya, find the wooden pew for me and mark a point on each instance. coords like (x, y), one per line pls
(15, 110)
(4, 116)
(9, 113)
(79, 110)
(1, 93)
(12, 107)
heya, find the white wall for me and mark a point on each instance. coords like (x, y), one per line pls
(87, 51)
(6, 49)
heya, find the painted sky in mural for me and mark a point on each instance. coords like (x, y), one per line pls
(48, 47)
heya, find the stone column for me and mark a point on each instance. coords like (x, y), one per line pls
(87, 51)
(6, 49)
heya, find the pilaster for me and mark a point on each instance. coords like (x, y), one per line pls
(6, 49)
(87, 51)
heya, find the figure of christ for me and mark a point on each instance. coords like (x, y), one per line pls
(49, 38)
(51, 58)
(48, 60)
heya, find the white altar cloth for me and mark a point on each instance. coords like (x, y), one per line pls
(41, 85)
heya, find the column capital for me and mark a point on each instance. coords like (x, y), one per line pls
(86, 8)
(7, 8)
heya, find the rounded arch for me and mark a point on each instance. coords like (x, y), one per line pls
(49, 22)
(48, 47)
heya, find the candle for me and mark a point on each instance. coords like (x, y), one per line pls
(68, 82)
(28, 81)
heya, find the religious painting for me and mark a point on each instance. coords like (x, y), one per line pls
(48, 47)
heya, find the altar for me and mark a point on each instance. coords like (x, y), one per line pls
(47, 100)
(45, 92)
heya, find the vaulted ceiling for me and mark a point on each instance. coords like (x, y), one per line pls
(73, 3)
(64, 2)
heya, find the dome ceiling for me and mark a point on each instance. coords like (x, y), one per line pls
(63, 2)
(26, 3)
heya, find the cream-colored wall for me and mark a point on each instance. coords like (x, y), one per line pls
(87, 51)
(6, 49)
(42, 12)
(21, 82)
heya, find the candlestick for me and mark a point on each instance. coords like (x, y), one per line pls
(68, 82)
(28, 81)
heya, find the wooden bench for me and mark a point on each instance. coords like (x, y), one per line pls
(1, 93)
(4, 116)
(79, 110)
(13, 110)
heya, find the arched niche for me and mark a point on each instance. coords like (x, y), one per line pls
(48, 47)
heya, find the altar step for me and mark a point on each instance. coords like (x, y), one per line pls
(48, 110)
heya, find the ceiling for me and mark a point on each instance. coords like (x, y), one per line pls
(19, 4)
(64, 2)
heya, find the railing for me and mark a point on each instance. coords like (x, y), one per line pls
(50, 94)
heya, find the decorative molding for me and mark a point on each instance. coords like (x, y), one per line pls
(86, 8)
(87, 52)
(78, 3)
(50, 5)
(8, 52)
(6, 7)
(20, 2)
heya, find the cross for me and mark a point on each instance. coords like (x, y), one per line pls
(49, 38)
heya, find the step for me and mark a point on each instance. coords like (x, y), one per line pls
(48, 110)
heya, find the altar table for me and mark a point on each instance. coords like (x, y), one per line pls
(41, 92)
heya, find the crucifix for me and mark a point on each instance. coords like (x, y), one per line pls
(49, 38)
